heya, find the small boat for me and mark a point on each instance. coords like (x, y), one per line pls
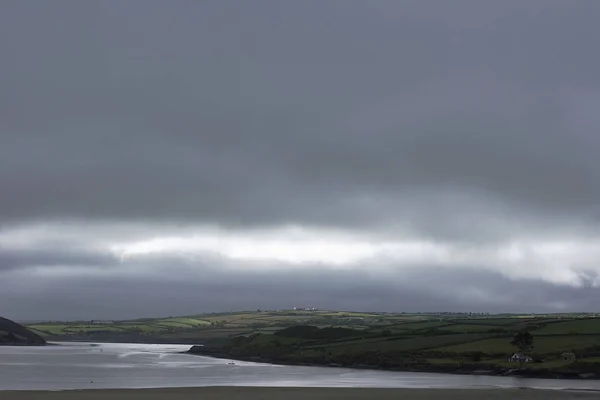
(231, 363)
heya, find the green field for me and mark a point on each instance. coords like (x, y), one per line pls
(432, 343)
(445, 338)
(542, 345)
(466, 328)
(583, 326)
(397, 323)
(415, 326)
(145, 326)
(419, 342)
(408, 344)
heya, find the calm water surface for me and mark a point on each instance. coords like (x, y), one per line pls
(108, 365)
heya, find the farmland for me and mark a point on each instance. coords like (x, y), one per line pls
(405, 341)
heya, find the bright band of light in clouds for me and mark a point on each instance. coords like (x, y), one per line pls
(289, 246)
(557, 261)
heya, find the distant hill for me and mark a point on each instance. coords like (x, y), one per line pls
(12, 333)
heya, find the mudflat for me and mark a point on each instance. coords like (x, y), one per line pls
(276, 393)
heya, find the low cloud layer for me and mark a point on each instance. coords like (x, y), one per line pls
(222, 155)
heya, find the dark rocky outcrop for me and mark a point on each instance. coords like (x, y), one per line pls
(13, 334)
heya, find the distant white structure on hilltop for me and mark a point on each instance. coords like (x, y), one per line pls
(304, 309)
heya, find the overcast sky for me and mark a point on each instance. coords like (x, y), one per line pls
(176, 157)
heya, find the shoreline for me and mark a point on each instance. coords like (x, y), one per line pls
(128, 340)
(298, 393)
(201, 350)
(526, 373)
(20, 344)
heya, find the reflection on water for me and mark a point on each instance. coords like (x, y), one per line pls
(109, 365)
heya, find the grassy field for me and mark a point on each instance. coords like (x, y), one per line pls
(584, 326)
(145, 326)
(397, 323)
(225, 324)
(466, 328)
(408, 344)
(542, 345)
(439, 339)
(402, 341)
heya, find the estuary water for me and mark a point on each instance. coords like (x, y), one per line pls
(116, 365)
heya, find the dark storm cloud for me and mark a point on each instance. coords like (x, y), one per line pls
(71, 258)
(471, 121)
(266, 112)
(214, 289)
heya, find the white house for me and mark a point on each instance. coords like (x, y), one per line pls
(520, 358)
(568, 356)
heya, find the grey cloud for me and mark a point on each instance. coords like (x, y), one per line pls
(11, 259)
(470, 120)
(220, 110)
(214, 289)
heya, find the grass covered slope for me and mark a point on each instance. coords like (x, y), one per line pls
(12, 333)
(198, 328)
(442, 342)
(464, 345)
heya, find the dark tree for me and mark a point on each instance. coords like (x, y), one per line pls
(523, 341)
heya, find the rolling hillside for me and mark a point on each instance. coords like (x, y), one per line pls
(12, 334)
